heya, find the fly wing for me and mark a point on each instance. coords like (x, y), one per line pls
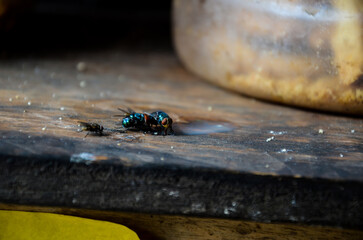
(154, 114)
(127, 112)
(84, 124)
(130, 110)
(147, 113)
(150, 118)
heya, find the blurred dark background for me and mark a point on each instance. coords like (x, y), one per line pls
(40, 27)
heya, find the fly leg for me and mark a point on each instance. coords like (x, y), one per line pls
(171, 130)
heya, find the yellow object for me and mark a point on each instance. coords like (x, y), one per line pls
(33, 225)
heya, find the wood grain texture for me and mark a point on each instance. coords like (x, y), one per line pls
(47, 102)
(273, 166)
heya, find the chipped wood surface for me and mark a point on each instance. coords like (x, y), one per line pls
(42, 101)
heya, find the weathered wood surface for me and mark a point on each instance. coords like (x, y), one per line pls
(273, 165)
(42, 101)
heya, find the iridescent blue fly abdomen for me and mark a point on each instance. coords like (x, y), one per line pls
(134, 120)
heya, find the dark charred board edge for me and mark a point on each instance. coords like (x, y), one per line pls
(180, 191)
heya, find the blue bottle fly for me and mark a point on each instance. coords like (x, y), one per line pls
(162, 121)
(159, 121)
(91, 127)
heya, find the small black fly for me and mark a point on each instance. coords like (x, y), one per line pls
(91, 128)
